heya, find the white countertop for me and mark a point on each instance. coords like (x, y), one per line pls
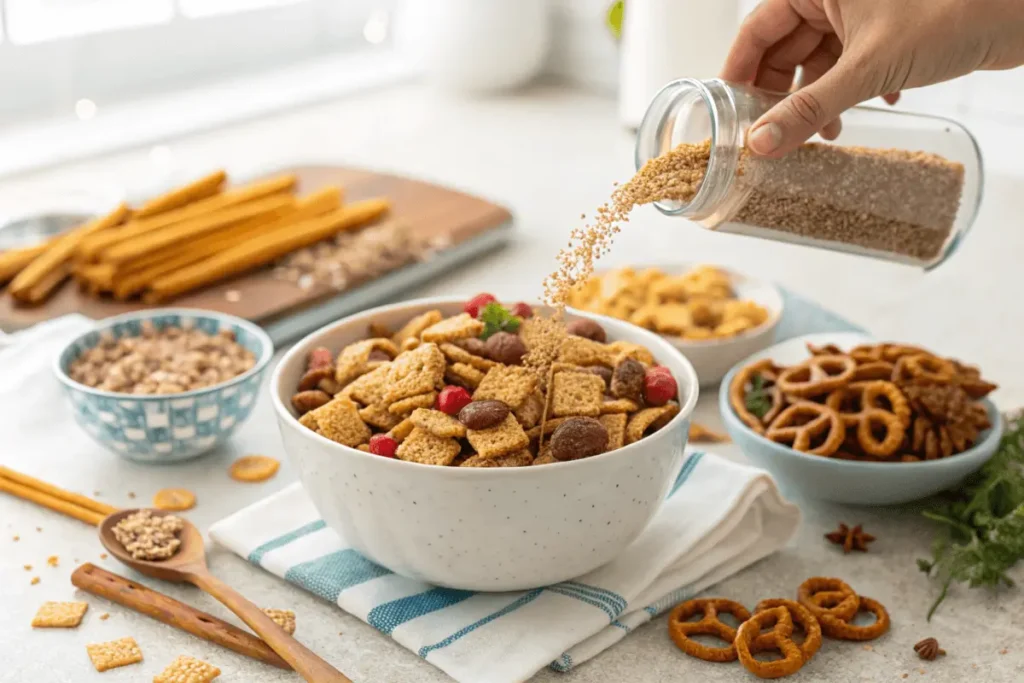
(549, 155)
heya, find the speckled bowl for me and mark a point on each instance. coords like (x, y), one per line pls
(487, 529)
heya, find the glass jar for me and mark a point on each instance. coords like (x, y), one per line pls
(897, 186)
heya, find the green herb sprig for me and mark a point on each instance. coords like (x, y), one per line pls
(758, 401)
(983, 522)
(496, 318)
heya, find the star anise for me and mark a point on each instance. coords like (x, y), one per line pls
(850, 539)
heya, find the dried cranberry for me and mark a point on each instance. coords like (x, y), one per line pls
(452, 399)
(477, 303)
(659, 387)
(382, 444)
(521, 310)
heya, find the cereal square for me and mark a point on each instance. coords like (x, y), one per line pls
(423, 447)
(368, 388)
(648, 417)
(618, 405)
(415, 372)
(457, 354)
(624, 349)
(187, 669)
(549, 426)
(517, 459)
(402, 430)
(407, 405)
(354, 359)
(531, 411)
(377, 414)
(114, 654)
(511, 384)
(438, 423)
(586, 352)
(285, 618)
(545, 457)
(461, 326)
(507, 437)
(59, 614)
(615, 423)
(414, 328)
(339, 421)
(573, 393)
(464, 375)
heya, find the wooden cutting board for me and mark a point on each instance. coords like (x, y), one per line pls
(468, 224)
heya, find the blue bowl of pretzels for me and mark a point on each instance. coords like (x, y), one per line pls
(847, 419)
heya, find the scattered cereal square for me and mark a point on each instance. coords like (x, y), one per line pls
(415, 372)
(285, 618)
(114, 654)
(465, 375)
(517, 459)
(457, 354)
(531, 411)
(511, 384)
(461, 326)
(187, 669)
(377, 414)
(352, 361)
(615, 423)
(586, 352)
(640, 422)
(60, 615)
(414, 328)
(368, 388)
(339, 421)
(618, 405)
(507, 437)
(438, 423)
(549, 426)
(407, 405)
(573, 393)
(423, 447)
(402, 430)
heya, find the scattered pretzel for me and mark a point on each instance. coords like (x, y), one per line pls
(817, 375)
(803, 424)
(801, 616)
(741, 387)
(680, 629)
(750, 640)
(842, 601)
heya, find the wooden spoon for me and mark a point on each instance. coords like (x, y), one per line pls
(188, 565)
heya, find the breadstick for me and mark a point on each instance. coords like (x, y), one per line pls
(95, 274)
(207, 186)
(42, 289)
(91, 247)
(144, 244)
(46, 500)
(59, 254)
(50, 489)
(263, 250)
(13, 261)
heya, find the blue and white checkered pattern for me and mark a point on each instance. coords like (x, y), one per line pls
(718, 518)
(166, 428)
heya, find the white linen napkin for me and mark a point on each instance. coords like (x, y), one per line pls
(719, 518)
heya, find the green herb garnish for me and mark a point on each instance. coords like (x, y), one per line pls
(983, 522)
(758, 401)
(497, 318)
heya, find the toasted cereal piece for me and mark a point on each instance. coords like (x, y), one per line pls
(414, 328)
(461, 326)
(699, 333)
(457, 354)
(517, 459)
(402, 430)
(411, 343)
(415, 372)
(187, 669)
(378, 329)
(465, 375)
(615, 423)
(510, 384)
(586, 352)
(354, 359)
(285, 618)
(339, 421)
(378, 415)
(545, 458)
(59, 615)
(531, 411)
(647, 417)
(701, 434)
(624, 349)
(573, 393)
(507, 437)
(423, 447)
(733, 326)
(368, 388)
(364, 447)
(251, 468)
(618, 405)
(438, 423)
(174, 499)
(309, 422)
(405, 407)
(114, 654)
(549, 426)
(643, 316)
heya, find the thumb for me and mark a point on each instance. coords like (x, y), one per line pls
(806, 111)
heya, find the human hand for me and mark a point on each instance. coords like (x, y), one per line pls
(853, 50)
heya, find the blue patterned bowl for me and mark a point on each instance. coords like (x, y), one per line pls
(171, 427)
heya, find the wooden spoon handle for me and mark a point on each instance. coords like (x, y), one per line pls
(301, 658)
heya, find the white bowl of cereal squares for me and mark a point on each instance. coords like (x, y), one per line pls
(427, 448)
(164, 385)
(715, 316)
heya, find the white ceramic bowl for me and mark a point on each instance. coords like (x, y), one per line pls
(487, 529)
(712, 358)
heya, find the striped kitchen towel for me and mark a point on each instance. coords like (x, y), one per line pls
(719, 518)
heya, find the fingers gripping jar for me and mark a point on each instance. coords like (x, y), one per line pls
(896, 186)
